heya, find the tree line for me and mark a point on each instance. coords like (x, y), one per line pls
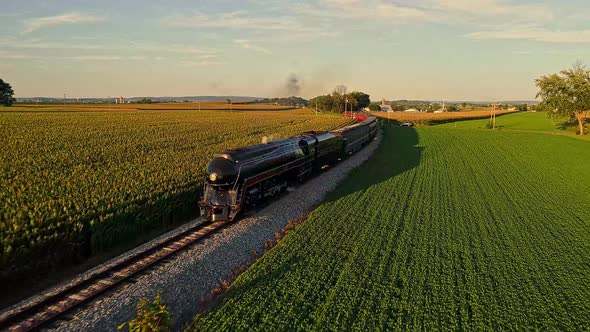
(284, 101)
(340, 101)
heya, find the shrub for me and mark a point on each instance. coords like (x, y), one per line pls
(153, 316)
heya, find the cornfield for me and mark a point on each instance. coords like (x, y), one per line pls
(437, 117)
(74, 183)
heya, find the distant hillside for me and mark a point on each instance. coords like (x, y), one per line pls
(469, 102)
(183, 99)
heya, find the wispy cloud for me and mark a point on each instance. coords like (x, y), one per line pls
(535, 34)
(111, 46)
(13, 56)
(498, 9)
(233, 20)
(39, 23)
(97, 58)
(275, 25)
(428, 11)
(372, 9)
(202, 63)
(247, 44)
(23, 56)
(489, 19)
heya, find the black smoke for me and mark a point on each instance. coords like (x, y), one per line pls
(293, 85)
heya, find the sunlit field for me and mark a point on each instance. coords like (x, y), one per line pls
(443, 229)
(74, 183)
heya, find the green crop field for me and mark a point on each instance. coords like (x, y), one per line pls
(74, 183)
(525, 121)
(443, 229)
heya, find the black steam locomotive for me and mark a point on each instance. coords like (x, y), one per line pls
(243, 177)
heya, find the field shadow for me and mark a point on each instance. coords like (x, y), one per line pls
(397, 153)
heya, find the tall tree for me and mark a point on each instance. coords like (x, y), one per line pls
(361, 99)
(323, 104)
(6, 94)
(567, 94)
(339, 96)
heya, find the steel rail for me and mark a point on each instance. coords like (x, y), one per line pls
(55, 303)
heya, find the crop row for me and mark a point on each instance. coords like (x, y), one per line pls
(441, 230)
(79, 182)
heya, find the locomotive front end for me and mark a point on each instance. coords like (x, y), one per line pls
(219, 195)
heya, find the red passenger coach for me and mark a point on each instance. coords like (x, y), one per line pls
(357, 116)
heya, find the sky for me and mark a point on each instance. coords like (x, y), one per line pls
(393, 49)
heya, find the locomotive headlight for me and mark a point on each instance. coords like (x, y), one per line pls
(213, 177)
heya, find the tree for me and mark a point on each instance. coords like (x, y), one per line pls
(6, 94)
(522, 107)
(374, 107)
(452, 108)
(323, 104)
(338, 96)
(361, 99)
(567, 94)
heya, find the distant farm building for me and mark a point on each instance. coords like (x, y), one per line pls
(384, 106)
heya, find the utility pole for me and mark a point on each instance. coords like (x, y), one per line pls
(492, 114)
(64, 100)
(494, 125)
(345, 106)
(316, 107)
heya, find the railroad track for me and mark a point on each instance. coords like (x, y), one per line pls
(54, 304)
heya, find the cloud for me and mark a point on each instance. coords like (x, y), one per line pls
(489, 19)
(248, 45)
(233, 20)
(21, 56)
(497, 8)
(148, 50)
(39, 23)
(535, 34)
(480, 12)
(202, 63)
(97, 58)
(14, 56)
(365, 10)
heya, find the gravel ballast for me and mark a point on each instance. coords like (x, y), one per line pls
(187, 279)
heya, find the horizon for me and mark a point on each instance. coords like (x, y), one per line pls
(458, 50)
(271, 97)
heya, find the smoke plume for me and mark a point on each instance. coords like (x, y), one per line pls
(293, 85)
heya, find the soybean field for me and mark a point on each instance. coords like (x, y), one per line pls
(443, 229)
(523, 121)
(75, 183)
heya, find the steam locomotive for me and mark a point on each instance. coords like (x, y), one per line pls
(244, 177)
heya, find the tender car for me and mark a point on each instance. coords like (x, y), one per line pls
(406, 124)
